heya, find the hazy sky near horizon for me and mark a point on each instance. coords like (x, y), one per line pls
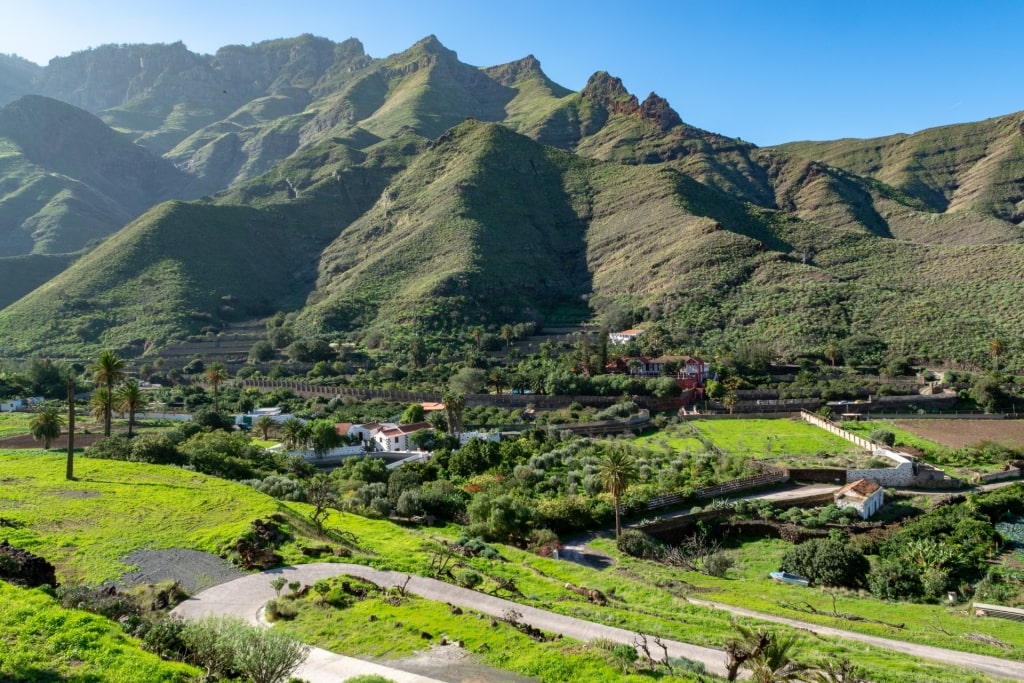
(767, 71)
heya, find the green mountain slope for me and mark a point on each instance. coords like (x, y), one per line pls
(418, 195)
(19, 275)
(974, 170)
(177, 269)
(66, 178)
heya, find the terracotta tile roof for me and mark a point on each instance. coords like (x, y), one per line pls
(406, 429)
(862, 488)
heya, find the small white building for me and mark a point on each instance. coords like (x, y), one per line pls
(624, 337)
(396, 437)
(863, 495)
(10, 405)
(249, 419)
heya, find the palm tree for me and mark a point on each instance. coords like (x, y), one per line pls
(996, 349)
(507, 334)
(497, 378)
(831, 353)
(839, 670)
(729, 401)
(265, 424)
(108, 371)
(98, 403)
(768, 656)
(293, 433)
(617, 470)
(454, 404)
(45, 425)
(129, 399)
(216, 375)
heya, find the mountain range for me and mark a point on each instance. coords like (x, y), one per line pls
(148, 193)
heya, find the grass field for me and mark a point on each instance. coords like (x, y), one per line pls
(86, 526)
(781, 440)
(45, 642)
(13, 423)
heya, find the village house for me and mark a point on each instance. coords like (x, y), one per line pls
(396, 437)
(680, 367)
(863, 495)
(624, 337)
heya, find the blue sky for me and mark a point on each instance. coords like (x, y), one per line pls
(767, 71)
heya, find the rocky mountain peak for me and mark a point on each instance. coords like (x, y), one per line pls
(509, 74)
(656, 109)
(609, 91)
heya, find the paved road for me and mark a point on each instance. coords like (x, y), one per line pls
(994, 666)
(244, 598)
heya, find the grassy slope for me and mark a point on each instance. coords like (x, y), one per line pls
(951, 168)
(45, 642)
(86, 526)
(86, 534)
(482, 218)
(139, 287)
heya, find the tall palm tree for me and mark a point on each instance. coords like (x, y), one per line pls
(454, 404)
(216, 375)
(265, 424)
(98, 403)
(45, 425)
(129, 399)
(996, 350)
(293, 433)
(617, 470)
(108, 371)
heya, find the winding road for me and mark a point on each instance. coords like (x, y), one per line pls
(244, 598)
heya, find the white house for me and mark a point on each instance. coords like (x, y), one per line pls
(396, 437)
(250, 418)
(624, 337)
(11, 405)
(863, 495)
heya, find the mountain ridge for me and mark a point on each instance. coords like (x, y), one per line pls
(417, 195)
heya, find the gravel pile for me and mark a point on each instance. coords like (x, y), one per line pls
(194, 570)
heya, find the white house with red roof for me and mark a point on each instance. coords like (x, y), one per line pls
(863, 495)
(396, 437)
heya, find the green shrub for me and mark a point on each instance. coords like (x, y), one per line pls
(895, 580)
(636, 543)
(827, 563)
(467, 578)
(883, 437)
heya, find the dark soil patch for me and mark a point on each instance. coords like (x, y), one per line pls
(194, 570)
(26, 441)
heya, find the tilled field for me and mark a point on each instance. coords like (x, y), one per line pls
(959, 433)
